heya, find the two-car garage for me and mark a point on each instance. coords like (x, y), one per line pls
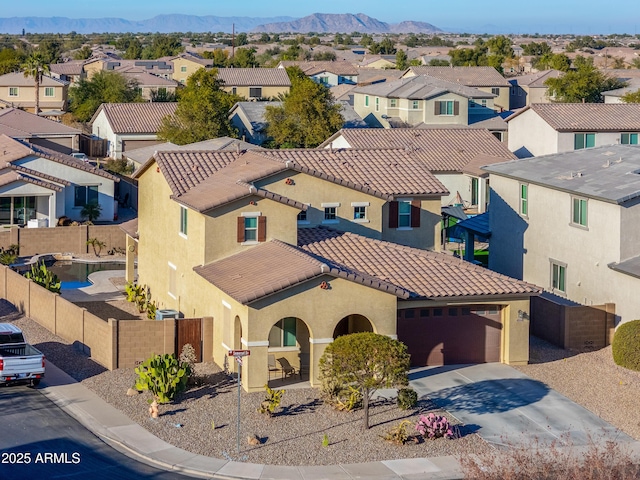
(451, 334)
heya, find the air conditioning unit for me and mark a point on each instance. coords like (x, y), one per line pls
(166, 314)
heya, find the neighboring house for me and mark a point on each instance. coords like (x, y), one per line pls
(569, 222)
(72, 71)
(149, 84)
(19, 91)
(452, 155)
(248, 238)
(420, 99)
(542, 129)
(127, 126)
(378, 61)
(40, 131)
(139, 156)
(327, 73)
(162, 67)
(528, 89)
(487, 79)
(249, 119)
(39, 185)
(255, 83)
(615, 96)
(187, 63)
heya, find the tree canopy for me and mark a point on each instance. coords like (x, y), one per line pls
(308, 115)
(583, 84)
(104, 87)
(631, 97)
(367, 361)
(202, 111)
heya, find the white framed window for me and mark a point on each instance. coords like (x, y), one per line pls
(13, 91)
(558, 277)
(524, 199)
(183, 221)
(360, 212)
(183, 68)
(404, 214)
(393, 102)
(579, 211)
(283, 333)
(251, 229)
(48, 92)
(330, 213)
(446, 107)
(172, 291)
(415, 105)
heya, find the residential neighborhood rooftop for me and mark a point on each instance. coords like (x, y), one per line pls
(470, 76)
(336, 67)
(609, 173)
(589, 117)
(18, 79)
(254, 77)
(136, 117)
(420, 87)
(20, 124)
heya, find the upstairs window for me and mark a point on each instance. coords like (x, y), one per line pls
(183, 220)
(393, 102)
(415, 105)
(495, 90)
(183, 68)
(524, 199)
(579, 212)
(366, 100)
(584, 140)
(13, 91)
(252, 228)
(255, 92)
(447, 107)
(404, 214)
(48, 92)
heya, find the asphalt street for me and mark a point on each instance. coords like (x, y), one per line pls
(39, 440)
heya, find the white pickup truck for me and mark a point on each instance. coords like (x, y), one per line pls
(19, 361)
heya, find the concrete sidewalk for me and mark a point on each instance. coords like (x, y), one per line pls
(119, 431)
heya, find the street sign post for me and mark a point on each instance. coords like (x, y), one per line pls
(238, 354)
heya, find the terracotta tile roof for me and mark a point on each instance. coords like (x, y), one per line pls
(34, 173)
(441, 150)
(136, 117)
(335, 67)
(595, 117)
(536, 80)
(146, 79)
(470, 76)
(368, 76)
(17, 79)
(420, 87)
(75, 67)
(205, 62)
(7, 177)
(424, 274)
(254, 77)
(130, 228)
(378, 171)
(275, 266)
(21, 124)
(17, 149)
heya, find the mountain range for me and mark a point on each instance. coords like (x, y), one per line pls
(317, 22)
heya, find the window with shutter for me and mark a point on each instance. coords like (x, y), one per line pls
(393, 214)
(262, 228)
(240, 229)
(415, 213)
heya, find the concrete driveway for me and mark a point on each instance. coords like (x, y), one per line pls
(506, 407)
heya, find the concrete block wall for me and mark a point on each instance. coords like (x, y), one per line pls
(43, 307)
(17, 290)
(69, 321)
(140, 339)
(99, 340)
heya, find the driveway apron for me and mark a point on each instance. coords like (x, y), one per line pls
(505, 407)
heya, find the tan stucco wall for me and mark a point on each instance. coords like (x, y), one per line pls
(191, 67)
(27, 96)
(267, 92)
(426, 237)
(92, 68)
(502, 100)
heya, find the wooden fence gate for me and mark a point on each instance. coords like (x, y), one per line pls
(189, 330)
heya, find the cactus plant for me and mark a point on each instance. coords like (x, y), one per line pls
(41, 275)
(434, 426)
(164, 376)
(271, 402)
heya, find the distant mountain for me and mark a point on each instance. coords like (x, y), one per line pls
(345, 23)
(160, 23)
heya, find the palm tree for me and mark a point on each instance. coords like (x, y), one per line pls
(91, 211)
(35, 66)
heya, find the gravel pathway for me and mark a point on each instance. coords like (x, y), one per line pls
(292, 437)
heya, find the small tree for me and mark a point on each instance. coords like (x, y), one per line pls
(631, 97)
(91, 211)
(367, 361)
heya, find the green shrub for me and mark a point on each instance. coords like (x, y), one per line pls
(164, 376)
(626, 345)
(271, 401)
(41, 275)
(407, 398)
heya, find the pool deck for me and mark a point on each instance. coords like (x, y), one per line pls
(101, 290)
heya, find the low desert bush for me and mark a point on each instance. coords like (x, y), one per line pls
(626, 345)
(407, 398)
(434, 426)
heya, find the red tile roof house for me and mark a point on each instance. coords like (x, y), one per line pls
(329, 73)
(452, 155)
(39, 185)
(288, 249)
(128, 126)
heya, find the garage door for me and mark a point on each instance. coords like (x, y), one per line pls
(128, 145)
(451, 335)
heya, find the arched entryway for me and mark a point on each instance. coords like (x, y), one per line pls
(354, 323)
(289, 350)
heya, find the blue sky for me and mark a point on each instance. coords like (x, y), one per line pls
(566, 16)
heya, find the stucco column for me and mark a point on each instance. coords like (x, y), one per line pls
(515, 319)
(255, 369)
(130, 275)
(317, 347)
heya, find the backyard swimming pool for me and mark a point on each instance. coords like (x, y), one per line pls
(76, 274)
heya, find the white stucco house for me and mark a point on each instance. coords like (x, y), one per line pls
(39, 185)
(543, 129)
(127, 126)
(570, 222)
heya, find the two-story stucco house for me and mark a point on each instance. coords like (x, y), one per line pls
(187, 63)
(255, 83)
(542, 129)
(19, 91)
(531, 88)
(569, 222)
(452, 155)
(288, 249)
(487, 79)
(421, 99)
(39, 185)
(329, 73)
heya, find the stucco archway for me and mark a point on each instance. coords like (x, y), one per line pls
(354, 323)
(289, 342)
